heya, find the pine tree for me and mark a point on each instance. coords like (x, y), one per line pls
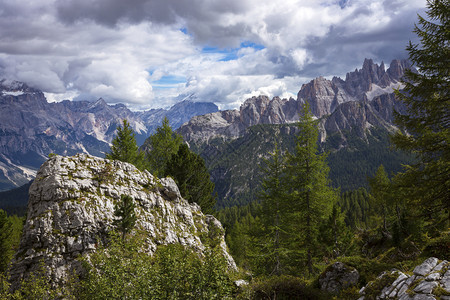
(126, 217)
(310, 195)
(274, 215)
(192, 177)
(425, 127)
(160, 147)
(124, 147)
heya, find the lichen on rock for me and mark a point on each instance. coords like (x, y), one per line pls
(337, 277)
(429, 280)
(71, 210)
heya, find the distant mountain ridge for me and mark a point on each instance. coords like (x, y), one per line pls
(31, 128)
(368, 87)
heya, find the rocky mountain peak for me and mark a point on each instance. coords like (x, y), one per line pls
(324, 96)
(71, 210)
(397, 68)
(252, 109)
(367, 88)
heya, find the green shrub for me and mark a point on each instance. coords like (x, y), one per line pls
(122, 271)
(285, 287)
(438, 247)
(368, 269)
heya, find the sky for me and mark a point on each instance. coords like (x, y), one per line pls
(154, 53)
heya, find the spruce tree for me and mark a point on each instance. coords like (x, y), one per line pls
(126, 217)
(425, 127)
(160, 147)
(192, 177)
(124, 147)
(311, 197)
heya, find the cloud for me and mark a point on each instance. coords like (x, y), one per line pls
(151, 53)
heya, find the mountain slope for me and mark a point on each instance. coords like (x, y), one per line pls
(31, 128)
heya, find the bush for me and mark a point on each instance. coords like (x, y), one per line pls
(122, 271)
(368, 269)
(438, 247)
(285, 287)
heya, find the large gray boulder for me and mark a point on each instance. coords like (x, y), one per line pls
(71, 211)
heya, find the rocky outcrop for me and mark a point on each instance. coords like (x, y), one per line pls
(429, 280)
(337, 277)
(71, 211)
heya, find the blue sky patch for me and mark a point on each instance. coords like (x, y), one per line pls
(231, 54)
(168, 81)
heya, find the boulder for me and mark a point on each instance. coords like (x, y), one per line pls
(337, 277)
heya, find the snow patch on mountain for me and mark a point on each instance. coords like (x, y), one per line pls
(13, 93)
(376, 90)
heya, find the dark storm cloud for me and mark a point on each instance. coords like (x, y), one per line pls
(201, 17)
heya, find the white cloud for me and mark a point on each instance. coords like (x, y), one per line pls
(116, 49)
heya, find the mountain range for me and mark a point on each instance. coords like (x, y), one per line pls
(363, 99)
(355, 114)
(31, 128)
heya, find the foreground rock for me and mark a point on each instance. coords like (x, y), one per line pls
(430, 280)
(337, 277)
(71, 210)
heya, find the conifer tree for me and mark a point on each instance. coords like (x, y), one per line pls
(274, 215)
(311, 198)
(124, 147)
(192, 177)
(126, 217)
(160, 147)
(5, 241)
(425, 127)
(380, 193)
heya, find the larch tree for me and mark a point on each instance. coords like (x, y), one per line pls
(425, 127)
(380, 193)
(124, 147)
(311, 197)
(274, 212)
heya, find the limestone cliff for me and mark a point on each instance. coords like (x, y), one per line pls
(71, 210)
